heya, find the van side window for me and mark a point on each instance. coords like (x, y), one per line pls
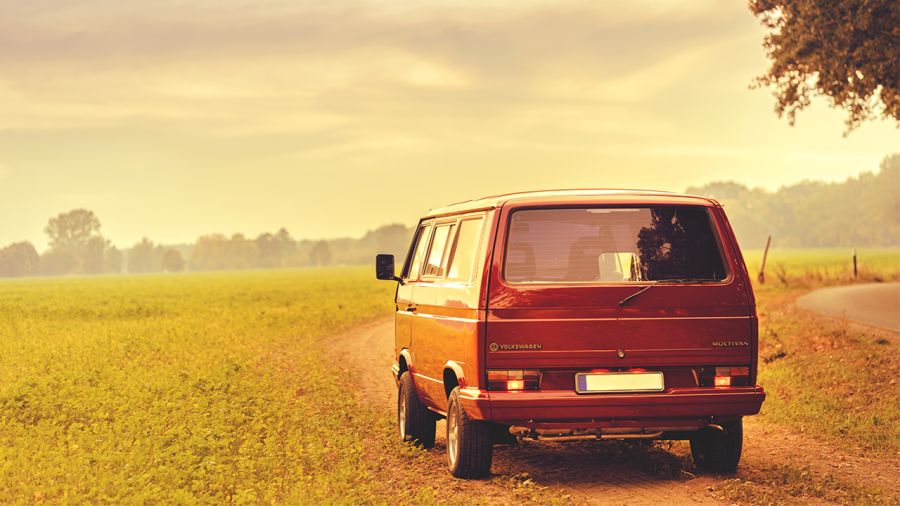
(465, 250)
(416, 260)
(434, 267)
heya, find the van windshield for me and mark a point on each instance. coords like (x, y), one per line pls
(613, 245)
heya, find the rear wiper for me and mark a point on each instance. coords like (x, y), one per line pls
(628, 299)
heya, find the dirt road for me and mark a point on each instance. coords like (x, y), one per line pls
(875, 304)
(616, 472)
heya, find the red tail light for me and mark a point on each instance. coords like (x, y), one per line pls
(514, 380)
(722, 381)
(730, 376)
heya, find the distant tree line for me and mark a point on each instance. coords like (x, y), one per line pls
(861, 211)
(76, 246)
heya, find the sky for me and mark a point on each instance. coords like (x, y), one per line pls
(171, 119)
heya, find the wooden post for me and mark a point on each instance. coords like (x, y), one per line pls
(855, 271)
(762, 268)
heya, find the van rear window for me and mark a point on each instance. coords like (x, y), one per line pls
(613, 245)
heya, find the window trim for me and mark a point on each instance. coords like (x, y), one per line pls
(450, 236)
(729, 272)
(471, 277)
(411, 257)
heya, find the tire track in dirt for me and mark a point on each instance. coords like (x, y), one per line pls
(614, 472)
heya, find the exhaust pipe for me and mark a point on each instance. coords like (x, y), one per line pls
(580, 434)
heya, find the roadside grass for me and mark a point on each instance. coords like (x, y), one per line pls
(824, 375)
(827, 376)
(786, 484)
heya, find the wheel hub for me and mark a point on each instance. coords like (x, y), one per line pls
(452, 435)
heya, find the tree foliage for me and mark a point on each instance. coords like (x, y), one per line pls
(846, 50)
(861, 211)
(19, 259)
(172, 261)
(320, 254)
(71, 231)
(145, 257)
(76, 246)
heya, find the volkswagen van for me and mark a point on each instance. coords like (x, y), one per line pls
(571, 315)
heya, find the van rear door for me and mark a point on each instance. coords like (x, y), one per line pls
(656, 286)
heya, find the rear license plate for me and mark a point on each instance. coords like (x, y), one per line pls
(595, 383)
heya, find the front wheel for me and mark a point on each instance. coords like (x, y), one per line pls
(718, 451)
(415, 422)
(469, 442)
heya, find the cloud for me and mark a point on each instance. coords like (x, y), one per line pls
(248, 63)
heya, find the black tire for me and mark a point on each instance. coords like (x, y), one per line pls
(718, 451)
(470, 446)
(416, 423)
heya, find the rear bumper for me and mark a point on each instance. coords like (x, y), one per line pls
(675, 406)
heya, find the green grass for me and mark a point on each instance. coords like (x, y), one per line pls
(828, 376)
(217, 388)
(211, 388)
(826, 265)
(192, 388)
(785, 484)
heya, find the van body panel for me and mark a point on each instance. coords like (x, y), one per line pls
(439, 320)
(442, 333)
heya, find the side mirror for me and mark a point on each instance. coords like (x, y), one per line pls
(384, 268)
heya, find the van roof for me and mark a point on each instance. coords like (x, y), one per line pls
(601, 195)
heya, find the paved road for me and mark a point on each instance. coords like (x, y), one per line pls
(874, 304)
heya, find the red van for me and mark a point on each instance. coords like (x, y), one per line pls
(575, 314)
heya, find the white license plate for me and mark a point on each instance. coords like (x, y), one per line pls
(590, 383)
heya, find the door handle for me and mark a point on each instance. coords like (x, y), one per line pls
(411, 308)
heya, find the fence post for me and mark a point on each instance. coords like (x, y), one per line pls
(762, 269)
(855, 271)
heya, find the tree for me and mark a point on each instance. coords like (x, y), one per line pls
(94, 259)
(846, 50)
(240, 253)
(275, 250)
(144, 257)
(56, 262)
(209, 253)
(320, 255)
(71, 231)
(172, 261)
(19, 259)
(861, 211)
(114, 260)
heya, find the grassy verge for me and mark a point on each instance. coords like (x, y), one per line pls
(826, 376)
(786, 484)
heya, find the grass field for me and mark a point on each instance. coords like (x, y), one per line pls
(192, 388)
(825, 265)
(216, 388)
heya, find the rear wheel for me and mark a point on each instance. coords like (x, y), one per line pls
(415, 422)
(718, 451)
(469, 442)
